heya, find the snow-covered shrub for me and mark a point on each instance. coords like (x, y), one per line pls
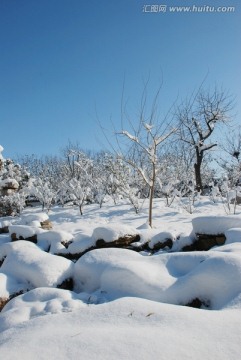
(187, 195)
(229, 196)
(78, 192)
(13, 184)
(43, 191)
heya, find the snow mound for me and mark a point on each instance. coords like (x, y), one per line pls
(81, 242)
(183, 240)
(27, 263)
(23, 231)
(118, 271)
(172, 278)
(214, 225)
(144, 226)
(9, 285)
(4, 223)
(128, 328)
(234, 247)
(233, 235)
(160, 238)
(112, 232)
(29, 218)
(39, 302)
(54, 241)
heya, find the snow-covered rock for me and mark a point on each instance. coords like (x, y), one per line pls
(112, 232)
(175, 278)
(81, 243)
(29, 218)
(161, 240)
(55, 240)
(115, 234)
(24, 232)
(215, 225)
(4, 226)
(33, 266)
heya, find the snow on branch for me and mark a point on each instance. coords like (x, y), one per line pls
(148, 127)
(131, 137)
(141, 171)
(206, 147)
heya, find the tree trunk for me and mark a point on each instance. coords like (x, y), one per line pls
(151, 205)
(151, 194)
(80, 209)
(197, 168)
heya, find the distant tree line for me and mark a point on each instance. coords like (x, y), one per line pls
(170, 159)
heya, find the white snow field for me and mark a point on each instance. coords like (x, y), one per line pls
(123, 304)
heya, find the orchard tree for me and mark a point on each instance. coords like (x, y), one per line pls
(232, 162)
(105, 182)
(144, 139)
(149, 146)
(13, 185)
(175, 171)
(79, 185)
(198, 119)
(42, 190)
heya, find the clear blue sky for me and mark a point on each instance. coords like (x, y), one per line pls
(63, 60)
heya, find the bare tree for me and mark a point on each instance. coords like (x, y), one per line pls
(232, 163)
(198, 118)
(144, 139)
(232, 144)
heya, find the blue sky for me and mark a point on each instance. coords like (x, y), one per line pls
(63, 61)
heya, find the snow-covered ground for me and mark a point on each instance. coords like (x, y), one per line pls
(124, 304)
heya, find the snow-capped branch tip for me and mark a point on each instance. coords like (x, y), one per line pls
(131, 137)
(148, 127)
(1, 150)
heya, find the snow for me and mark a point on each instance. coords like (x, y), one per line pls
(206, 147)
(112, 232)
(233, 235)
(128, 328)
(124, 304)
(29, 218)
(215, 225)
(33, 265)
(39, 302)
(170, 278)
(4, 223)
(80, 243)
(6, 182)
(10, 285)
(54, 240)
(1, 150)
(160, 237)
(23, 230)
(148, 127)
(131, 137)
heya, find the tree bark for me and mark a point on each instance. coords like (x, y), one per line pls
(197, 168)
(80, 209)
(151, 194)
